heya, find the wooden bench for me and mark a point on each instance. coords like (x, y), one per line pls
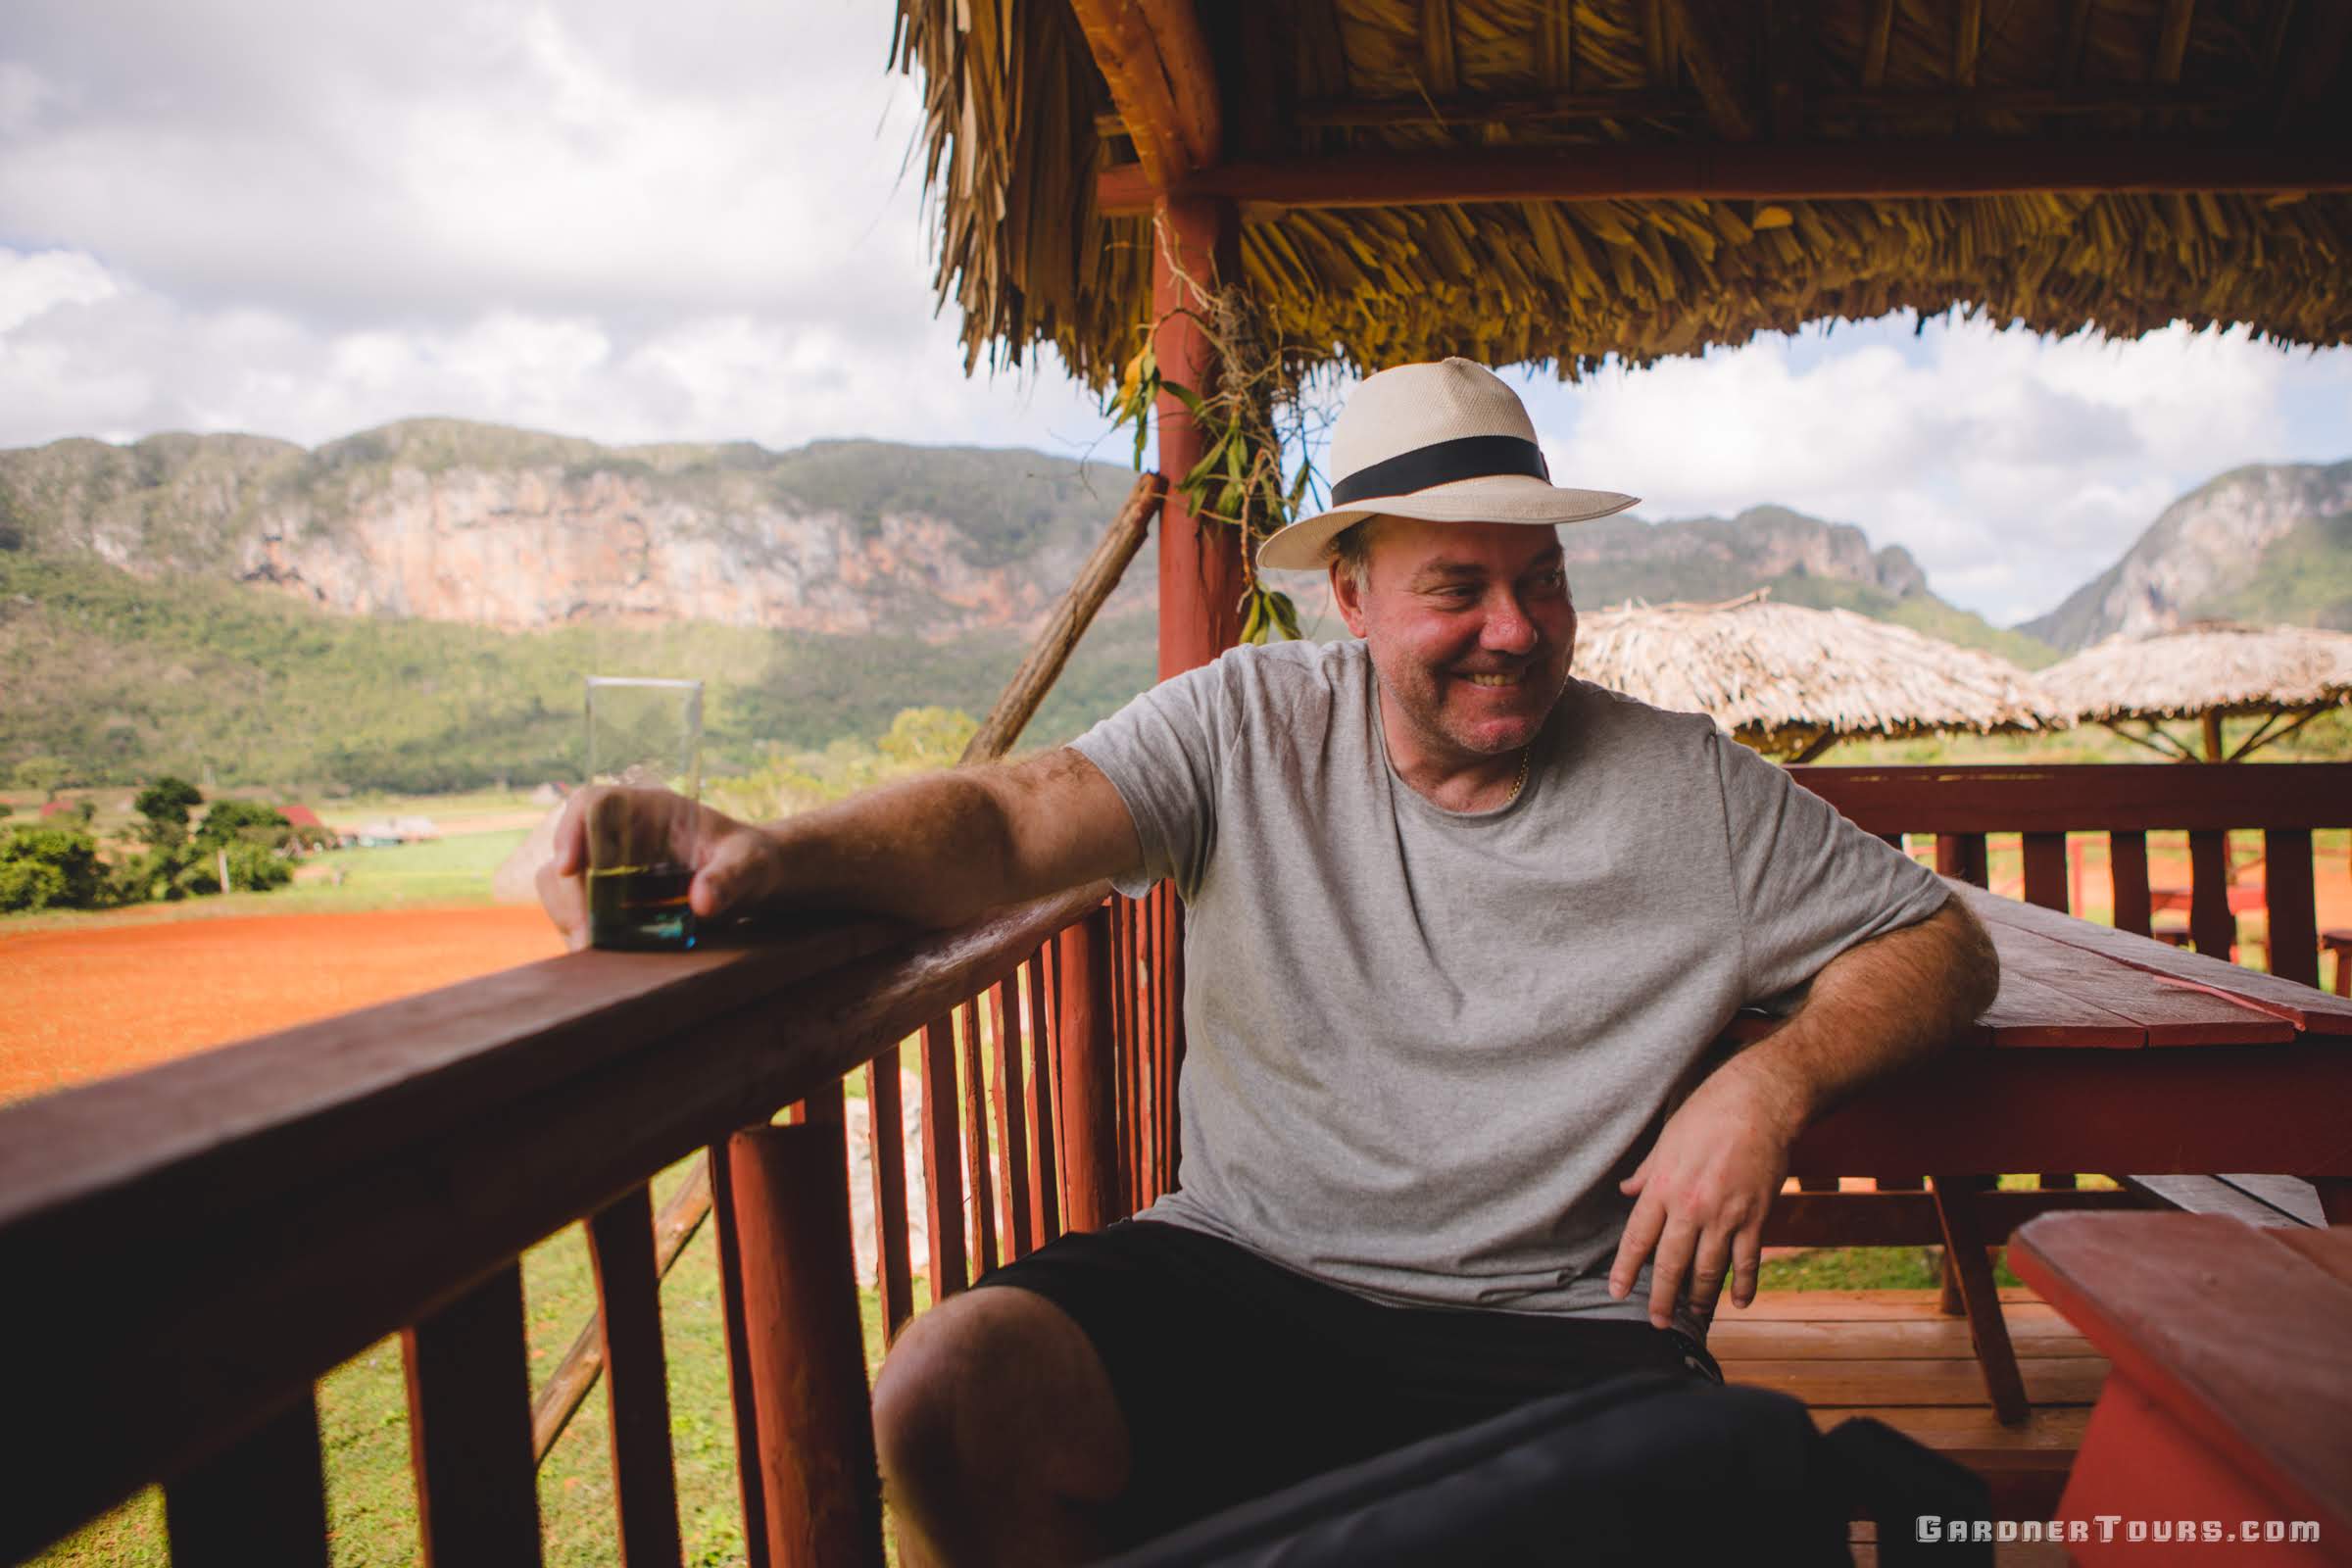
(2276, 1201)
(2339, 942)
(2230, 1396)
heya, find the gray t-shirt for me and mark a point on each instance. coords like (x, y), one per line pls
(1424, 1047)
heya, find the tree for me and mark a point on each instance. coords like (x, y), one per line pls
(928, 737)
(44, 774)
(252, 868)
(165, 804)
(247, 821)
(48, 868)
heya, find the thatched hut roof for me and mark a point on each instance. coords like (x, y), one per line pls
(1558, 180)
(2209, 667)
(1791, 680)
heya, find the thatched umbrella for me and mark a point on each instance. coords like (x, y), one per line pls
(1793, 681)
(2211, 671)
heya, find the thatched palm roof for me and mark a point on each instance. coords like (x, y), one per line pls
(1791, 680)
(1753, 166)
(2208, 671)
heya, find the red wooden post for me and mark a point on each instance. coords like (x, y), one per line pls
(943, 1160)
(2128, 870)
(892, 1278)
(1965, 1250)
(1045, 1187)
(1126, 914)
(1198, 243)
(2045, 869)
(263, 1500)
(628, 1295)
(2212, 927)
(2286, 893)
(816, 1471)
(1962, 856)
(1012, 1122)
(975, 1139)
(469, 1428)
(1084, 1047)
(1171, 1069)
(740, 1399)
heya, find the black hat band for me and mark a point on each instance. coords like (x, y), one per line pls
(1469, 456)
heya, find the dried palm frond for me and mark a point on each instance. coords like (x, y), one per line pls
(1014, 104)
(1789, 680)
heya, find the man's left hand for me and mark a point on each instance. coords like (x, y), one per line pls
(1702, 1195)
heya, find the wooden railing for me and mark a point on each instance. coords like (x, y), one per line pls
(2125, 802)
(189, 1248)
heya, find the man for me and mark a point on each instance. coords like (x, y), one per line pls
(1461, 932)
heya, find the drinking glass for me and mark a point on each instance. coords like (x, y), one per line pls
(643, 735)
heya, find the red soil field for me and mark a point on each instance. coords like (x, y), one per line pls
(86, 1002)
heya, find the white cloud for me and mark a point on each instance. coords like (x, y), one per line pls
(34, 285)
(2014, 466)
(683, 223)
(693, 221)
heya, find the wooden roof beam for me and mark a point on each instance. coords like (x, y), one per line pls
(1819, 172)
(1724, 105)
(1877, 33)
(2172, 41)
(1162, 81)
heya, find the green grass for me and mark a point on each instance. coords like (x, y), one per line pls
(451, 870)
(441, 873)
(1864, 1269)
(364, 1427)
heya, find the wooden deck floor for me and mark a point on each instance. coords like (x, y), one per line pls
(1892, 1354)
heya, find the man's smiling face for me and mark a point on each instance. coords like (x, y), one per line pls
(1469, 626)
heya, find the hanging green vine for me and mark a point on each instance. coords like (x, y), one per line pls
(1239, 480)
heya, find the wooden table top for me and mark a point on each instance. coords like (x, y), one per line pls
(2069, 983)
(2243, 1334)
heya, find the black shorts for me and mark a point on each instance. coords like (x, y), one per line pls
(1238, 1377)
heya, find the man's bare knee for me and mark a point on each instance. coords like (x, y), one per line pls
(996, 1394)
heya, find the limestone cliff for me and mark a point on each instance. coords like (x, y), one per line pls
(2210, 552)
(447, 520)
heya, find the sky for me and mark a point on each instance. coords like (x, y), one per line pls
(699, 220)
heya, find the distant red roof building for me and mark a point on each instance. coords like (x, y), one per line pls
(56, 808)
(300, 816)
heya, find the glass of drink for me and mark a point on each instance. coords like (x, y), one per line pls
(643, 737)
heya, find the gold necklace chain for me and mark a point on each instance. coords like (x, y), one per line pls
(1520, 783)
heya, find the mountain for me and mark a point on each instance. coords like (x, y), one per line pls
(415, 606)
(124, 677)
(1801, 559)
(450, 521)
(2270, 542)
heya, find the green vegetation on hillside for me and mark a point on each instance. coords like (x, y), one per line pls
(125, 678)
(2304, 579)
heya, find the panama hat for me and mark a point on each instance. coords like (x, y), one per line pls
(1444, 443)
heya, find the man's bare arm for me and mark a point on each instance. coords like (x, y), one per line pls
(1701, 1193)
(1878, 1006)
(937, 850)
(941, 849)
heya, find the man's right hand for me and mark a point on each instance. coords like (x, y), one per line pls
(736, 865)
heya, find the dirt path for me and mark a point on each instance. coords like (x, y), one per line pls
(87, 1002)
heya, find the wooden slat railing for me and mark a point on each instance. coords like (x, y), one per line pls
(223, 1230)
(2285, 802)
(217, 1233)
